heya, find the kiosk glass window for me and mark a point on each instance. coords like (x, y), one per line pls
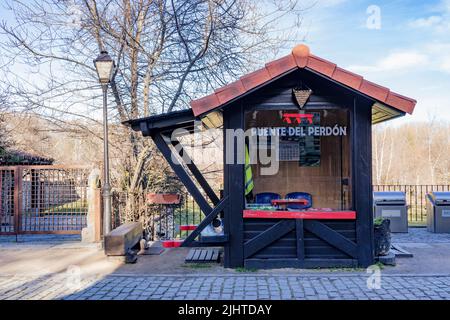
(294, 151)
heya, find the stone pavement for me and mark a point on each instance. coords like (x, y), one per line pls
(64, 268)
(69, 286)
(420, 235)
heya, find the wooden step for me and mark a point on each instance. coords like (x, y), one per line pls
(202, 255)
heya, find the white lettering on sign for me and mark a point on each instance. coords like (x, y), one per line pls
(320, 131)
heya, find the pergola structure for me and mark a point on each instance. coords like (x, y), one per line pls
(339, 231)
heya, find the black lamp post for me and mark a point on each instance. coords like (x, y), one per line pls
(104, 66)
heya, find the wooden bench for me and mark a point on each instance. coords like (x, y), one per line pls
(120, 240)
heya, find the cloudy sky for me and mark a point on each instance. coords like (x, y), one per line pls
(400, 44)
(407, 49)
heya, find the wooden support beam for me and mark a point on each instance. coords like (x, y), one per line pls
(196, 172)
(362, 179)
(181, 173)
(234, 187)
(208, 219)
(299, 233)
(209, 212)
(265, 238)
(332, 237)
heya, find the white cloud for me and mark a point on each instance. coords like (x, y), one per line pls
(432, 56)
(439, 22)
(440, 53)
(394, 61)
(445, 65)
(426, 22)
(444, 5)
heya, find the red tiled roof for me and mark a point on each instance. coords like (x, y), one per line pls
(300, 57)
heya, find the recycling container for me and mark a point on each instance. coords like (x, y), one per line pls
(438, 212)
(392, 205)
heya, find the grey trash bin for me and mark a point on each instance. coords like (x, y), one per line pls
(438, 212)
(392, 205)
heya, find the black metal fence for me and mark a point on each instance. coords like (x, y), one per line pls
(162, 222)
(415, 198)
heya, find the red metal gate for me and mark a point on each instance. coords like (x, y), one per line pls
(43, 199)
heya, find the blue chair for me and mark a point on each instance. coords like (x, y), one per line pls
(299, 195)
(266, 197)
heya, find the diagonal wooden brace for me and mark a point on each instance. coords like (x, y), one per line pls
(197, 174)
(208, 219)
(181, 173)
(332, 237)
(270, 235)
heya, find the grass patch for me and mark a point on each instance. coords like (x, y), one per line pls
(78, 206)
(345, 269)
(242, 269)
(197, 265)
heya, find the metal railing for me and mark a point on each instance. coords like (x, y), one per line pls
(43, 199)
(415, 198)
(161, 222)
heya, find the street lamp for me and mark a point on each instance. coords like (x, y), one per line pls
(104, 66)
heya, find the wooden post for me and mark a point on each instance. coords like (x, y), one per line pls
(362, 180)
(234, 189)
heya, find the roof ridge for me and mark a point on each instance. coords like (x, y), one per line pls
(301, 57)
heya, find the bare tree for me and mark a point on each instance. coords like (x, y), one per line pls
(413, 153)
(5, 137)
(167, 52)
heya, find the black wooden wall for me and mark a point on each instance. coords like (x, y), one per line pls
(307, 244)
(304, 243)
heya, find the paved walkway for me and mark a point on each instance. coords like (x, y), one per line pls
(420, 235)
(56, 269)
(320, 286)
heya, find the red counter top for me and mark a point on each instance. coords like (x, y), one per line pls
(312, 215)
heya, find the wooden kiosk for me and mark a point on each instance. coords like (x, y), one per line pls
(313, 119)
